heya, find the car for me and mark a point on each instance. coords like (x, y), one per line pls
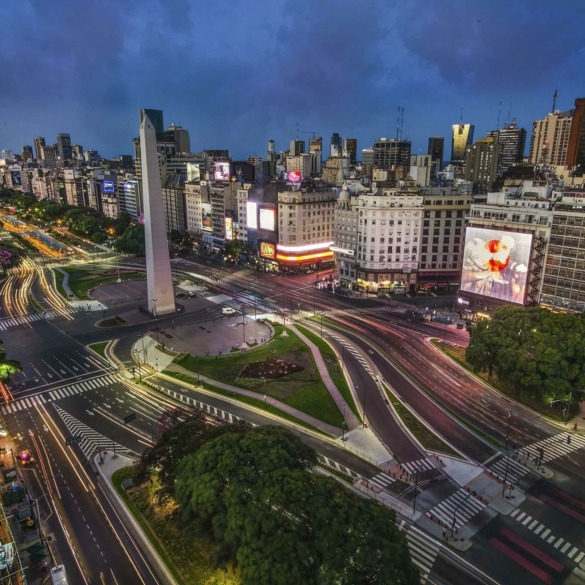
(180, 295)
(25, 457)
(228, 311)
(192, 294)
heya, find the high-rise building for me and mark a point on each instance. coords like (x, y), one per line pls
(179, 136)
(64, 147)
(297, 147)
(316, 144)
(461, 139)
(511, 140)
(481, 164)
(436, 150)
(27, 153)
(39, 144)
(576, 147)
(550, 139)
(350, 150)
(49, 156)
(336, 144)
(156, 119)
(392, 153)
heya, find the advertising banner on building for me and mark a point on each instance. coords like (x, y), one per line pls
(267, 250)
(495, 264)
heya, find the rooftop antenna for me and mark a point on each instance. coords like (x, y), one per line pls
(461, 115)
(499, 112)
(297, 131)
(401, 121)
(398, 124)
(555, 96)
(509, 114)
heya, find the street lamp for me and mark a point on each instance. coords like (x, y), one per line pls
(156, 322)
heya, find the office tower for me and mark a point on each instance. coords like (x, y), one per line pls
(49, 156)
(64, 147)
(576, 148)
(481, 164)
(462, 138)
(511, 140)
(77, 152)
(350, 150)
(391, 153)
(27, 153)
(336, 145)
(297, 147)
(179, 136)
(39, 144)
(436, 150)
(156, 119)
(316, 144)
(271, 149)
(550, 139)
(158, 268)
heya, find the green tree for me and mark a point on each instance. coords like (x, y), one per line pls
(7, 367)
(132, 240)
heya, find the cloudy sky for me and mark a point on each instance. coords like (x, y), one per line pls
(236, 73)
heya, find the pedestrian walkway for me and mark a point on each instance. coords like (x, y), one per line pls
(328, 462)
(19, 320)
(458, 509)
(58, 394)
(353, 351)
(423, 549)
(382, 481)
(90, 441)
(558, 542)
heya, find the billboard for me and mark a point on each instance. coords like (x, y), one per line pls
(495, 264)
(293, 177)
(206, 219)
(251, 215)
(108, 187)
(267, 250)
(267, 219)
(221, 171)
(15, 175)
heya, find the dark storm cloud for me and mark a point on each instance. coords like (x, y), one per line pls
(237, 72)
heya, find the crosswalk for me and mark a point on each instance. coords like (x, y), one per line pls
(520, 462)
(58, 394)
(19, 320)
(458, 509)
(91, 441)
(328, 462)
(420, 465)
(351, 349)
(382, 481)
(558, 542)
(423, 549)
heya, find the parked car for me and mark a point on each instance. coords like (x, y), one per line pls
(228, 311)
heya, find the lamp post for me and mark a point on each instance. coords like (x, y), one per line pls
(156, 322)
(137, 352)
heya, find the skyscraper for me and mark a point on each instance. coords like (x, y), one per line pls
(350, 150)
(39, 144)
(316, 144)
(336, 144)
(576, 148)
(481, 164)
(64, 147)
(462, 138)
(156, 119)
(391, 153)
(297, 147)
(550, 139)
(436, 150)
(512, 141)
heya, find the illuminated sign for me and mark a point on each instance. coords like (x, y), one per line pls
(267, 220)
(229, 232)
(293, 177)
(304, 247)
(108, 187)
(267, 250)
(15, 175)
(206, 220)
(495, 264)
(328, 255)
(221, 171)
(342, 250)
(252, 215)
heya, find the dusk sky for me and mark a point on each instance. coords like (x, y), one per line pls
(236, 73)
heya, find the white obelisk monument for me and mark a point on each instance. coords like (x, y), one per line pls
(159, 281)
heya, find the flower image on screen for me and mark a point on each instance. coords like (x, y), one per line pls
(495, 264)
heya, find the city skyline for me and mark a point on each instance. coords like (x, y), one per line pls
(251, 74)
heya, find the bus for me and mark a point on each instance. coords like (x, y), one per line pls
(59, 576)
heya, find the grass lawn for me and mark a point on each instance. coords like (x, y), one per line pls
(112, 322)
(83, 279)
(59, 276)
(188, 558)
(99, 348)
(302, 389)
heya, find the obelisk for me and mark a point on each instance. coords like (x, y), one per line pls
(159, 281)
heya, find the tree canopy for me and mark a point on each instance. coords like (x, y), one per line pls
(253, 492)
(534, 352)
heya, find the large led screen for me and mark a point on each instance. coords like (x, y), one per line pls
(267, 221)
(221, 171)
(495, 264)
(251, 211)
(206, 218)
